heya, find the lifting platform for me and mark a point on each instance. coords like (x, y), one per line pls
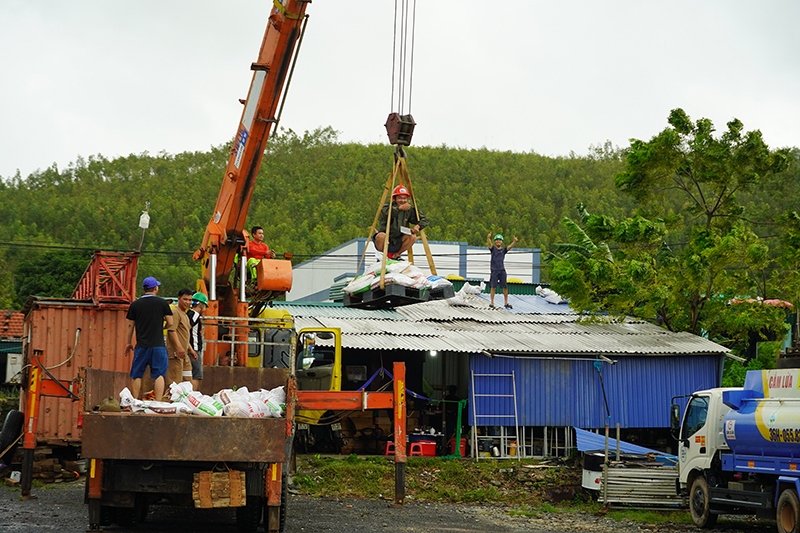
(395, 296)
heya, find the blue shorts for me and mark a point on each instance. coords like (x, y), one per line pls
(155, 358)
(497, 277)
(393, 248)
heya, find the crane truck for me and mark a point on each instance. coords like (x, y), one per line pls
(739, 450)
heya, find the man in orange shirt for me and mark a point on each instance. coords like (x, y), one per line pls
(257, 250)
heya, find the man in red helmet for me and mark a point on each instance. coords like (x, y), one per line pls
(405, 225)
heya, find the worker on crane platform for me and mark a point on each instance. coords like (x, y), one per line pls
(406, 223)
(257, 250)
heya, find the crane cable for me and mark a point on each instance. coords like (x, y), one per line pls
(402, 61)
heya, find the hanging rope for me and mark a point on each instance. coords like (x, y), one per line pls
(399, 174)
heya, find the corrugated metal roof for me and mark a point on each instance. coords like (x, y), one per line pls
(475, 327)
(335, 309)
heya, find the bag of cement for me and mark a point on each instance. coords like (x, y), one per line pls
(166, 408)
(274, 401)
(128, 403)
(412, 271)
(203, 405)
(200, 404)
(402, 279)
(227, 396)
(472, 289)
(179, 390)
(235, 402)
(396, 266)
(376, 282)
(359, 284)
(435, 282)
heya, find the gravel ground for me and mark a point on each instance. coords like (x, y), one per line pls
(60, 508)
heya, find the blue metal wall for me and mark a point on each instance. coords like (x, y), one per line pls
(569, 392)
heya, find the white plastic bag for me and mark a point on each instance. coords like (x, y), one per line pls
(437, 283)
(128, 403)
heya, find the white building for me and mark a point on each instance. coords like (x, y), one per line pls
(313, 278)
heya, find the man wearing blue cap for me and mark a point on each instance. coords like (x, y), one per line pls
(497, 267)
(146, 316)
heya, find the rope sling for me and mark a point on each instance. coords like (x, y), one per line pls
(399, 174)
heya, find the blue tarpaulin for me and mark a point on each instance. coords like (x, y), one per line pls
(592, 441)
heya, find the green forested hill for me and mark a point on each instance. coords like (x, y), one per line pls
(313, 193)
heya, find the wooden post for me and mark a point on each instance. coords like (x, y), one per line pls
(399, 432)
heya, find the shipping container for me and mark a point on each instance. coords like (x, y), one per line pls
(63, 336)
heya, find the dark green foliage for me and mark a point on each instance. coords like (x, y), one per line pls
(688, 185)
(312, 194)
(52, 274)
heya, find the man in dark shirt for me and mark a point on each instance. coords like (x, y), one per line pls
(146, 316)
(497, 268)
(404, 214)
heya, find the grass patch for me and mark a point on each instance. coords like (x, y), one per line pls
(430, 478)
(521, 491)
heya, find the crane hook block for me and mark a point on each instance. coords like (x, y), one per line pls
(400, 128)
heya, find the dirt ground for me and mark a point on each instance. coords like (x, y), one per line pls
(60, 508)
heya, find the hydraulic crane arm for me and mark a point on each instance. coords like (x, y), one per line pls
(223, 234)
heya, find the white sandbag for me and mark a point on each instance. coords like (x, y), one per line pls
(200, 404)
(413, 271)
(166, 408)
(388, 279)
(128, 403)
(237, 408)
(178, 390)
(471, 289)
(437, 283)
(227, 396)
(359, 284)
(203, 405)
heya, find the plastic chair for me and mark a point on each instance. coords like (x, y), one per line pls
(389, 448)
(416, 449)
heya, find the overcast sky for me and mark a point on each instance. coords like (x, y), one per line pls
(115, 77)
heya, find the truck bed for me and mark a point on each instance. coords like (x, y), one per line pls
(156, 437)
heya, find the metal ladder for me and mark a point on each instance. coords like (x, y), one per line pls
(504, 437)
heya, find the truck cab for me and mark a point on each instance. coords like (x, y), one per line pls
(700, 433)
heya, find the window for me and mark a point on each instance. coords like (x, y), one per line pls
(695, 416)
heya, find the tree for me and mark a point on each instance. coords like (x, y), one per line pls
(705, 172)
(53, 274)
(686, 182)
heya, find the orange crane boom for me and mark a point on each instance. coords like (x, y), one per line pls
(224, 237)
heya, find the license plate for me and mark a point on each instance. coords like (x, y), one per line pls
(302, 426)
(336, 426)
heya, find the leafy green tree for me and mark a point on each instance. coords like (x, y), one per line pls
(54, 274)
(686, 183)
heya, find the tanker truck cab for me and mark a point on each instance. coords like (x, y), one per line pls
(701, 433)
(739, 450)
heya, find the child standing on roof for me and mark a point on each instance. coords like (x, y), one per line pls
(497, 275)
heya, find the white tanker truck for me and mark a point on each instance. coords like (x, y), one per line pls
(739, 450)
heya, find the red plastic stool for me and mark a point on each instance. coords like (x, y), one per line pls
(416, 449)
(389, 448)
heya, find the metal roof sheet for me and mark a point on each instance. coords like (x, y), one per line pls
(474, 327)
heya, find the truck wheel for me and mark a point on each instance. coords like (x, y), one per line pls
(700, 504)
(248, 517)
(787, 514)
(11, 430)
